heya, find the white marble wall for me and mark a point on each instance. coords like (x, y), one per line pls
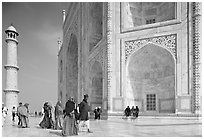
(111, 53)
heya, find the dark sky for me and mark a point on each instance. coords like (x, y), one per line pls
(39, 26)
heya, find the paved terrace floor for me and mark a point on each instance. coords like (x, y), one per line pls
(117, 127)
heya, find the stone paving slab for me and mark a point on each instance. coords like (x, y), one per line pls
(118, 127)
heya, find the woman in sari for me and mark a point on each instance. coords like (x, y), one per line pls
(69, 125)
(47, 121)
(58, 116)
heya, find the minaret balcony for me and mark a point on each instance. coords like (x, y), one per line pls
(11, 39)
(7, 67)
(11, 90)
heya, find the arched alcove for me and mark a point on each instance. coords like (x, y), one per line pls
(141, 13)
(96, 85)
(72, 68)
(150, 79)
(95, 23)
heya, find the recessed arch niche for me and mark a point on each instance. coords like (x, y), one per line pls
(72, 68)
(95, 23)
(136, 14)
(96, 85)
(151, 72)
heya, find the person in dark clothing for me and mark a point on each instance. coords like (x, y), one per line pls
(84, 110)
(13, 113)
(47, 121)
(70, 125)
(18, 114)
(127, 111)
(99, 112)
(137, 111)
(95, 113)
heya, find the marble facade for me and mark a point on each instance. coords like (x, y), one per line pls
(132, 54)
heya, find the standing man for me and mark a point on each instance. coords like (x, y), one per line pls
(84, 109)
(99, 112)
(96, 113)
(137, 111)
(13, 114)
(18, 114)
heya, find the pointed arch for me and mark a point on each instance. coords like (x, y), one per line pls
(150, 71)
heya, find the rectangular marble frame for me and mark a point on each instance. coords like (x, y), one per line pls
(184, 104)
(116, 102)
(167, 101)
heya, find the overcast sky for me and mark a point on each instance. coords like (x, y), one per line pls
(39, 26)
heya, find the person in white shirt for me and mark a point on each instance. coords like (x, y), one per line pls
(4, 113)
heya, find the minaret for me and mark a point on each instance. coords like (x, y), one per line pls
(63, 16)
(11, 91)
(59, 44)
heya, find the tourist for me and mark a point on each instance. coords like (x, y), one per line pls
(52, 113)
(13, 114)
(99, 110)
(24, 112)
(26, 118)
(127, 111)
(47, 121)
(77, 113)
(84, 110)
(4, 113)
(95, 113)
(132, 111)
(58, 116)
(137, 111)
(18, 114)
(69, 126)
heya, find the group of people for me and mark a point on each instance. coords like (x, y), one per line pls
(134, 111)
(68, 119)
(22, 113)
(97, 113)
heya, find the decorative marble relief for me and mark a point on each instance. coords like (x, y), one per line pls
(168, 42)
(109, 51)
(196, 25)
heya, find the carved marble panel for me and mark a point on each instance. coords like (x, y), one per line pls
(168, 42)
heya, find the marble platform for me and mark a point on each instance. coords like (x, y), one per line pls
(145, 126)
